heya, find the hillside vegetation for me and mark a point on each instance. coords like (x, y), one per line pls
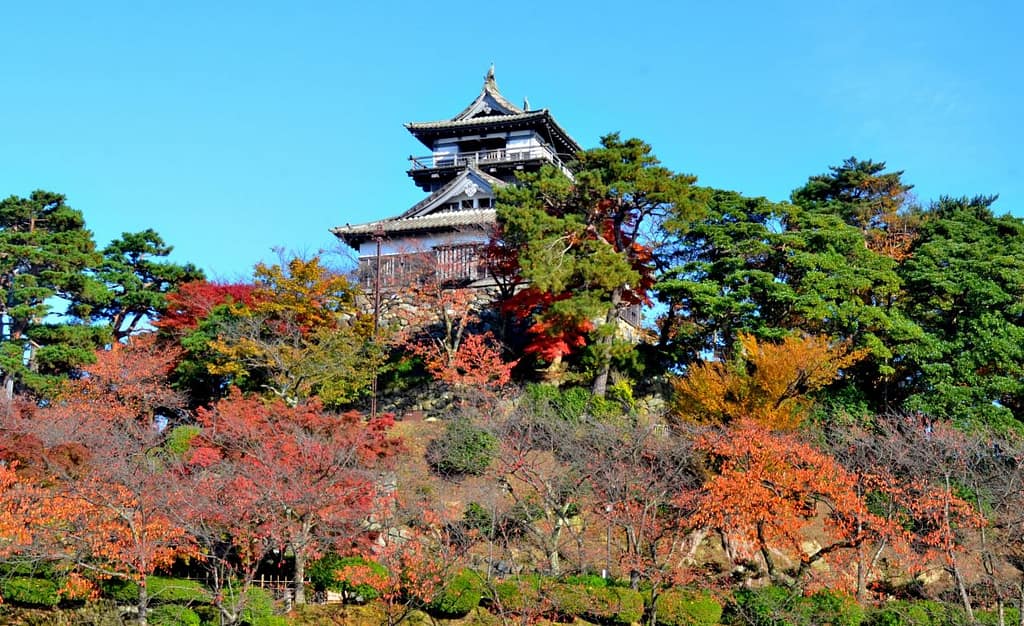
(818, 421)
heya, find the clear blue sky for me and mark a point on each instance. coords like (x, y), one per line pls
(235, 127)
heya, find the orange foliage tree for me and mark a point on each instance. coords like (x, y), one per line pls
(766, 382)
(917, 471)
(768, 489)
(107, 493)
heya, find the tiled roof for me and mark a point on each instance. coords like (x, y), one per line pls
(484, 119)
(442, 219)
(489, 91)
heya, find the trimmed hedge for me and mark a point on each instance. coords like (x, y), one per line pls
(161, 590)
(173, 615)
(917, 613)
(259, 605)
(601, 604)
(460, 596)
(778, 606)
(610, 605)
(30, 591)
(678, 607)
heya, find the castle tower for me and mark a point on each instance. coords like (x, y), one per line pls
(471, 154)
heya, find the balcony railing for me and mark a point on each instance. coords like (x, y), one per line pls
(485, 157)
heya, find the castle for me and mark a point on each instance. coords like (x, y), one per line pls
(471, 155)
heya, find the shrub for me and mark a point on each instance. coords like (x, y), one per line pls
(767, 607)
(519, 595)
(322, 572)
(176, 590)
(836, 608)
(463, 450)
(570, 404)
(173, 615)
(586, 580)
(991, 618)
(179, 439)
(161, 589)
(460, 596)
(30, 591)
(596, 603)
(917, 613)
(677, 607)
(612, 605)
(258, 604)
(770, 606)
(479, 519)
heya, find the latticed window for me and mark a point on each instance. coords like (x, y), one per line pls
(455, 263)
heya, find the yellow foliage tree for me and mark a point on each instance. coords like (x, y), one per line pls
(768, 383)
(303, 335)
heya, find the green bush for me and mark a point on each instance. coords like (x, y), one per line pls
(677, 607)
(586, 580)
(258, 604)
(520, 594)
(460, 596)
(991, 618)
(918, 613)
(612, 605)
(30, 568)
(30, 591)
(161, 589)
(570, 404)
(463, 450)
(479, 519)
(322, 572)
(837, 609)
(770, 606)
(598, 603)
(173, 615)
(179, 439)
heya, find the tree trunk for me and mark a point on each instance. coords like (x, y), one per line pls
(1020, 605)
(143, 602)
(954, 568)
(299, 581)
(605, 340)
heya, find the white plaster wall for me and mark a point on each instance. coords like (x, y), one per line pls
(408, 245)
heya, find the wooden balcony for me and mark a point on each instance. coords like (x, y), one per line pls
(484, 158)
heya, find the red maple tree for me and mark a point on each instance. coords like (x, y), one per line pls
(313, 477)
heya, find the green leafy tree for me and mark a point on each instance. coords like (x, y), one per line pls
(132, 283)
(45, 251)
(299, 335)
(582, 247)
(766, 269)
(864, 195)
(964, 286)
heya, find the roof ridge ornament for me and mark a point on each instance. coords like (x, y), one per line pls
(489, 78)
